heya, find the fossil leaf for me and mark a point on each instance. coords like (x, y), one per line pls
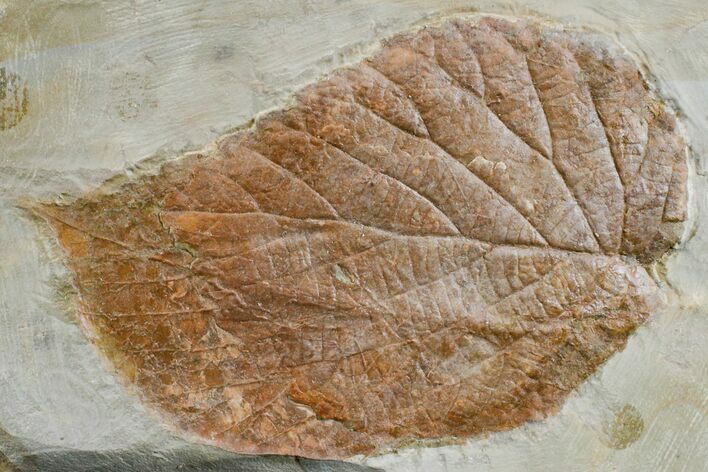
(440, 241)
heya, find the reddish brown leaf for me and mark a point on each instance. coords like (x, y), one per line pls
(437, 242)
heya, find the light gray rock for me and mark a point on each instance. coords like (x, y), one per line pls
(110, 84)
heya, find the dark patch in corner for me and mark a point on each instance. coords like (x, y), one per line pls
(181, 459)
(6, 465)
(188, 458)
(9, 446)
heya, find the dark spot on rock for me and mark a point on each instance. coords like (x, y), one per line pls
(13, 99)
(224, 52)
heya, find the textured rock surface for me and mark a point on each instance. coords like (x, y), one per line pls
(440, 241)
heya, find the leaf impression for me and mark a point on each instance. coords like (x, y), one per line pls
(440, 241)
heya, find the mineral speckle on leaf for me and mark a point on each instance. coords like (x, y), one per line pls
(441, 241)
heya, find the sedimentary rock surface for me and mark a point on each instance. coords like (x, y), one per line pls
(440, 241)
